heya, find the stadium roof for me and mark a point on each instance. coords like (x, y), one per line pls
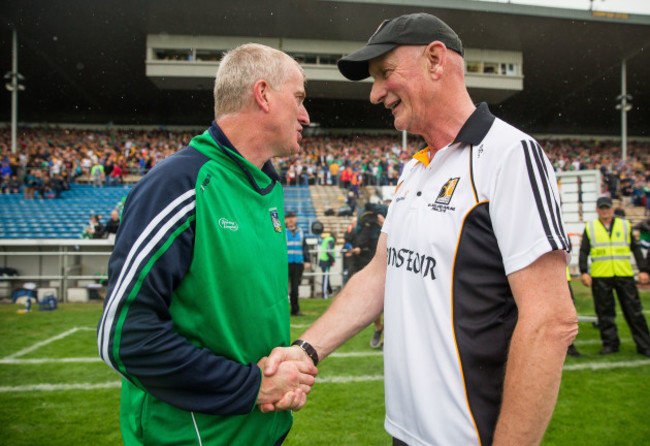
(84, 61)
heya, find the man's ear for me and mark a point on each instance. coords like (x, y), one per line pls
(261, 91)
(436, 55)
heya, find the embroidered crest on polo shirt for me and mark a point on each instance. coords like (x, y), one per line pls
(447, 191)
(275, 219)
(444, 196)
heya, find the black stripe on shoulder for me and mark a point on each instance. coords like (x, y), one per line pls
(535, 188)
(553, 205)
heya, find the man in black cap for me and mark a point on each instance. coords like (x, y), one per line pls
(473, 352)
(609, 241)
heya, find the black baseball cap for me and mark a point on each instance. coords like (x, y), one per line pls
(289, 214)
(604, 202)
(409, 29)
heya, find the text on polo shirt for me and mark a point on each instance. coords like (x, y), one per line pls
(412, 261)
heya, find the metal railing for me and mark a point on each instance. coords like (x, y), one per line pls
(65, 264)
(54, 263)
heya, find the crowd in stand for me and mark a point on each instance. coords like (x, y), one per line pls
(48, 160)
(629, 180)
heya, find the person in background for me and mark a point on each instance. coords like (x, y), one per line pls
(14, 185)
(609, 241)
(97, 174)
(40, 188)
(30, 184)
(115, 177)
(473, 354)
(4, 183)
(364, 245)
(326, 260)
(298, 254)
(112, 225)
(197, 281)
(619, 211)
(94, 229)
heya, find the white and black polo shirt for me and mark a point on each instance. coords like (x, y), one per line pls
(484, 207)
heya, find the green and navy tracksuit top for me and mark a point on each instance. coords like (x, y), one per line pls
(197, 295)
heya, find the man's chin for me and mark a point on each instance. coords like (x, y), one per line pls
(399, 127)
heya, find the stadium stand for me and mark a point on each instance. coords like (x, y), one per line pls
(51, 218)
(314, 174)
(298, 199)
(66, 218)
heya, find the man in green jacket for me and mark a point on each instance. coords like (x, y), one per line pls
(197, 294)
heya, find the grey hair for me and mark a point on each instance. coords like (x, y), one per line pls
(240, 68)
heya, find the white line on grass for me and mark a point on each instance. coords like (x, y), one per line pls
(326, 380)
(59, 387)
(349, 379)
(606, 365)
(355, 354)
(47, 341)
(47, 360)
(572, 367)
(597, 341)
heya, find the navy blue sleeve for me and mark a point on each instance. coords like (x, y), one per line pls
(136, 337)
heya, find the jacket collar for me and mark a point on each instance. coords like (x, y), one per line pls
(250, 170)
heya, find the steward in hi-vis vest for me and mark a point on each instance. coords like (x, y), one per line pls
(298, 256)
(609, 242)
(326, 258)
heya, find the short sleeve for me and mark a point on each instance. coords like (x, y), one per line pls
(525, 205)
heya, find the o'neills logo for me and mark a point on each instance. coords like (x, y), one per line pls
(416, 263)
(227, 224)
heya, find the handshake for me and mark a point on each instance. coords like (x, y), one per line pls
(288, 374)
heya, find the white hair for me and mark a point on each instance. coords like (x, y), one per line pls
(240, 68)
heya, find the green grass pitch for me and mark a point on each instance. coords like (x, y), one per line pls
(55, 391)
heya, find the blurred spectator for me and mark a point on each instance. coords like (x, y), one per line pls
(94, 229)
(97, 174)
(30, 183)
(346, 175)
(646, 197)
(39, 184)
(115, 177)
(5, 169)
(4, 183)
(112, 224)
(58, 185)
(14, 185)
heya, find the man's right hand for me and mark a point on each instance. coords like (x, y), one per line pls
(585, 278)
(286, 380)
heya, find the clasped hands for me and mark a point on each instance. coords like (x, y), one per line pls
(288, 374)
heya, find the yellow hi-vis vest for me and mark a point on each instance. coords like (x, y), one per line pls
(610, 256)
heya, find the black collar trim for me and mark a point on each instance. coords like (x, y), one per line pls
(476, 126)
